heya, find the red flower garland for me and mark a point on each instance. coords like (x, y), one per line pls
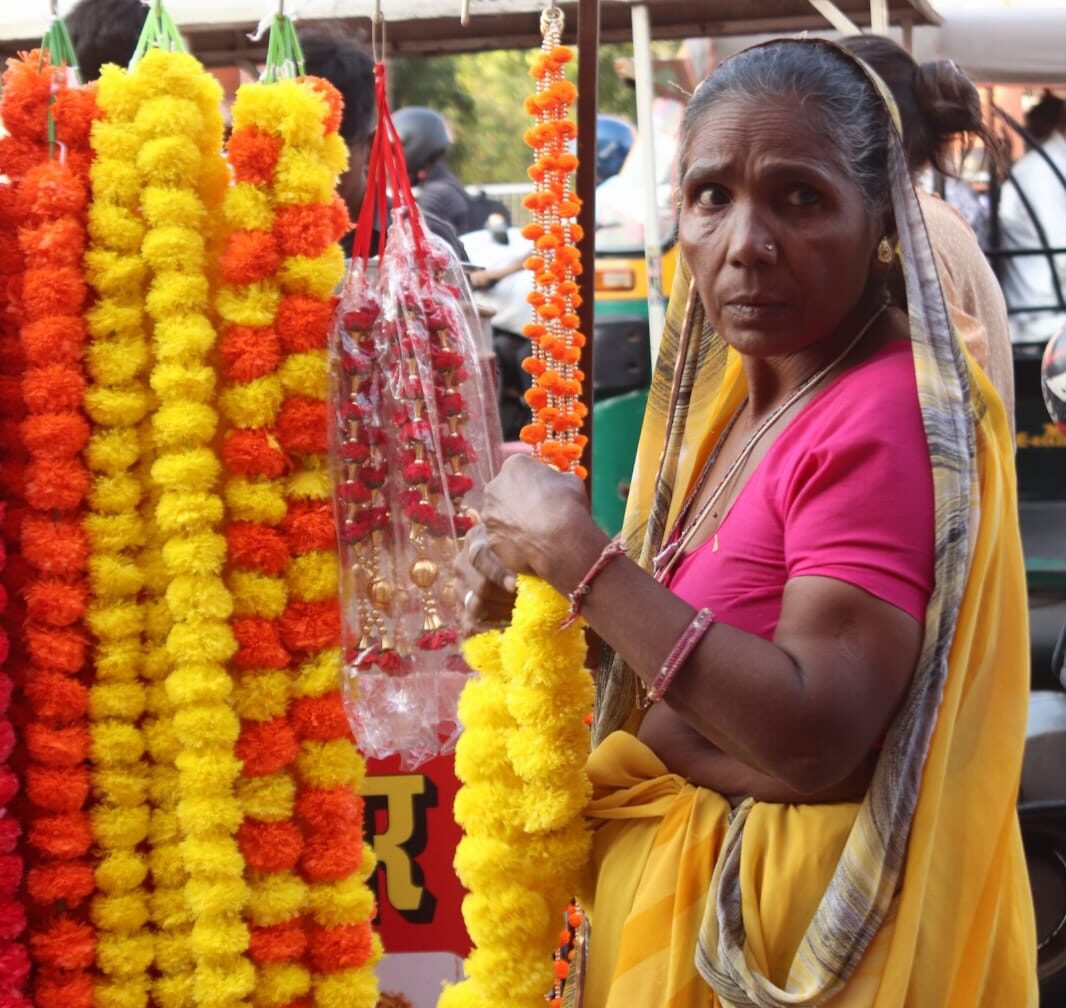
(51, 198)
(14, 956)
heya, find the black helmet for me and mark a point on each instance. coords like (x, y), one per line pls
(424, 135)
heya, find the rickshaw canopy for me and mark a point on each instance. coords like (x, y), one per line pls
(218, 31)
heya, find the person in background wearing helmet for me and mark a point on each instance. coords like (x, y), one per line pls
(426, 140)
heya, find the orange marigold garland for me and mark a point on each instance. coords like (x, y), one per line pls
(555, 264)
(52, 197)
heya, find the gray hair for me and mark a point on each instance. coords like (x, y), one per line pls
(829, 85)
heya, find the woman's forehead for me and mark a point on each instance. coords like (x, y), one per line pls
(782, 127)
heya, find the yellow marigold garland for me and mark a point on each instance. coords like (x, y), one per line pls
(117, 401)
(179, 127)
(519, 759)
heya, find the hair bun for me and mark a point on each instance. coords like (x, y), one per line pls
(947, 99)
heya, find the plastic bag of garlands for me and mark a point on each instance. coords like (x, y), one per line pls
(412, 453)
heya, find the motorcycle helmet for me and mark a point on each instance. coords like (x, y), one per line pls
(424, 135)
(1053, 378)
(614, 139)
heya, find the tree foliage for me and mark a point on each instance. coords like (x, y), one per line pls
(481, 96)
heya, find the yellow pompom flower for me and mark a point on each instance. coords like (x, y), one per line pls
(521, 799)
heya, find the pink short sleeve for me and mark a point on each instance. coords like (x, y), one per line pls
(858, 503)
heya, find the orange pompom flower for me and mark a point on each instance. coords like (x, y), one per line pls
(249, 256)
(253, 155)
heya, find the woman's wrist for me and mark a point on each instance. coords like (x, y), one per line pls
(564, 559)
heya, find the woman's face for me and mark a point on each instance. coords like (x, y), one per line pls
(778, 237)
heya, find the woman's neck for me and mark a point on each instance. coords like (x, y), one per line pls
(771, 380)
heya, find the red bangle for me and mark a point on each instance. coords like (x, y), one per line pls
(577, 596)
(681, 652)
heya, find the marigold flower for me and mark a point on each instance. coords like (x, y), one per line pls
(303, 322)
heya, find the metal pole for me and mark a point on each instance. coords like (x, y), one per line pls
(643, 78)
(879, 17)
(907, 24)
(588, 45)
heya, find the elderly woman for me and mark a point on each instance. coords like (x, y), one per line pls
(808, 741)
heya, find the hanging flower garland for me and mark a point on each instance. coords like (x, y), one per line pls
(14, 956)
(520, 803)
(342, 948)
(271, 120)
(12, 410)
(255, 495)
(555, 264)
(524, 740)
(51, 203)
(183, 176)
(117, 401)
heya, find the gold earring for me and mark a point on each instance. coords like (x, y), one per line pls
(885, 254)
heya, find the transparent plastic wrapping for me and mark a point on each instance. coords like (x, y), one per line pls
(414, 445)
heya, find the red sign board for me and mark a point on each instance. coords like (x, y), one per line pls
(409, 823)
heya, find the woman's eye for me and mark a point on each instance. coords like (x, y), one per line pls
(712, 196)
(803, 196)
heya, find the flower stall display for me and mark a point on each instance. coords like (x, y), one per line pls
(412, 453)
(190, 811)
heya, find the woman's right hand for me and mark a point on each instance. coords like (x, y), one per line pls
(533, 520)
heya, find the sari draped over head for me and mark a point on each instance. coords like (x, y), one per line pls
(930, 862)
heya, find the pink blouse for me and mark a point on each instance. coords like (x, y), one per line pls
(845, 492)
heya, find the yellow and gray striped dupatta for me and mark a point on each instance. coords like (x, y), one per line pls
(696, 386)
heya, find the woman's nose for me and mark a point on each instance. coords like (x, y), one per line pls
(751, 241)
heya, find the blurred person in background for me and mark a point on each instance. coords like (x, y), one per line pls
(1032, 216)
(426, 140)
(104, 31)
(940, 112)
(341, 60)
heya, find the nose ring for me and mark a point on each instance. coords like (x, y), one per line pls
(769, 246)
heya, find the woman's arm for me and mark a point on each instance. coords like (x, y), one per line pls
(806, 708)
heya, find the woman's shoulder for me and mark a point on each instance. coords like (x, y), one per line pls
(869, 414)
(882, 382)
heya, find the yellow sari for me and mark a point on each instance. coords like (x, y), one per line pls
(916, 896)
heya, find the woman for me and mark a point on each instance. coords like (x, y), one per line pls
(939, 109)
(817, 805)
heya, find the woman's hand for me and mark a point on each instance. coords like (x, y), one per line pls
(530, 515)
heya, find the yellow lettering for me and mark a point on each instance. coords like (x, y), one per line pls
(403, 798)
